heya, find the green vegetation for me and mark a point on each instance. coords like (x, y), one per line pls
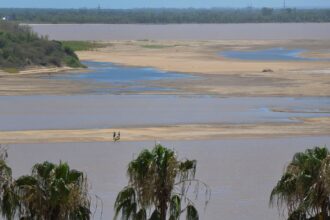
(11, 70)
(158, 182)
(20, 48)
(81, 45)
(304, 188)
(166, 16)
(156, 46)
(51, 192)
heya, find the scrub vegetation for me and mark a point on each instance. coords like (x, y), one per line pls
(20, 47)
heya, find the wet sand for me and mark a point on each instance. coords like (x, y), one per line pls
(240, 172)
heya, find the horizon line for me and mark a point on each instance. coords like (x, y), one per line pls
(168, 8)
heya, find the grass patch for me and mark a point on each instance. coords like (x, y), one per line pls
(11, 70)
(156, 46)
(81, 45)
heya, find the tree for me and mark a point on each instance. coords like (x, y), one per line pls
(304, 188)
(8, 199)
(53, 192)
(158, 181)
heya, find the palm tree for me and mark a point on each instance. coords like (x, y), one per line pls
(304, 188)
(8, 198)
(53, 192)
(158, 181)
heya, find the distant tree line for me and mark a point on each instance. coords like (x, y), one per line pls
(166, 16)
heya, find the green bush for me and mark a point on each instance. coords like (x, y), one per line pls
(73, 62)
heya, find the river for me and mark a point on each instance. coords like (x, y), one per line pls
(269, 31)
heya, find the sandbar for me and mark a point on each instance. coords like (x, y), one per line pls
(305, 127)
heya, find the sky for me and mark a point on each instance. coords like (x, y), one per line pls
(161, 3)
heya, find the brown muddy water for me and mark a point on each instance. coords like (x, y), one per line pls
(240, 172)
(106, 111)
(269, 31)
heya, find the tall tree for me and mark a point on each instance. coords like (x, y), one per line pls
(304, 188)
(8, 198)
(53, 192)
(160, 182)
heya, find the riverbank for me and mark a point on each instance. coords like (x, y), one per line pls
(305, 127)
(39, 70)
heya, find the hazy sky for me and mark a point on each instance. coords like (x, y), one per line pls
(160, 3)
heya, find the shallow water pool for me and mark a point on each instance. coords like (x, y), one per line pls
(272, 54)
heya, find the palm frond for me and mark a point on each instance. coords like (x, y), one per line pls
(192, 213)
(175, 207)
(126, 204)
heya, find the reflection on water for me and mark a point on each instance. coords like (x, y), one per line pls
(273, 54)
(110, 73)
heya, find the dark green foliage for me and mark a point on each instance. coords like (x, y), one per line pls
(54, 192)
(304, 188)
(8, 198)
(51, 192)
(192, 213)
(165, 16)
(155, 215)
(160, 183)
(20, 48)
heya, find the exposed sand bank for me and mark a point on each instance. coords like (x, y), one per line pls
(225, 76)
(307, 127)
(219, 76)
(203, 56)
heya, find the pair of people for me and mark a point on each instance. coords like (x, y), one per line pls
(116, 136)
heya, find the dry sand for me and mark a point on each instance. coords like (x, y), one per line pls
(203, 56)
(306, 127)
(223, 76)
